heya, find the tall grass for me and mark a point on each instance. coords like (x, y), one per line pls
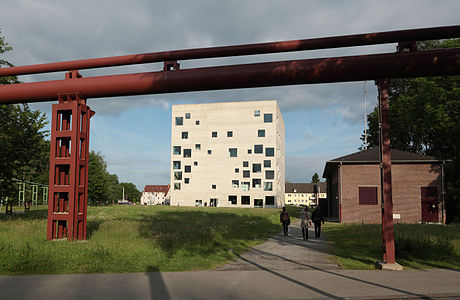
(359, 246)
(134, 239)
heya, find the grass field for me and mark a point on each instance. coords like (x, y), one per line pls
(359, 246)
(134, 239)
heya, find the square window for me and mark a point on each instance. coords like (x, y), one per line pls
(269, 200)
(232, 199)
(185, 135)
(176, 165)
(245, 186)
(246, 173)
(197, 146)
(187, 115)
(176, 150)
(177, 175)
(235, 183)
(214, 186)
(268, 118)
(233, 152)
(188, 169)
(256, 168)
(257, 113)
(249, 151)
(246, 200)
(214, 134)
(258, 149)
(177, 185)
(179, 121)
(209, 151)
(267, 163)
(256, 183)
(258, 203)
(269, 174)
(229, 133)
(269, 152)
(195, 163)
(237, 170)
(187, 152)
(186, 180)
(367, 195)
(261, 133)
(198, 202)
(197, 122)
(268, 186)
(245, 164)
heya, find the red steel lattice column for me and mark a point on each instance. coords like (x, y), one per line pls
(68, 181)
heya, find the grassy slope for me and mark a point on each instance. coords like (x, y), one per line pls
(134, 239)
(358, 246)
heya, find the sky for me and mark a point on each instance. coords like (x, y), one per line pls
(323, 121)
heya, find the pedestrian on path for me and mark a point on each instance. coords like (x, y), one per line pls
(285, 220)
(317, 219)
(305, 219)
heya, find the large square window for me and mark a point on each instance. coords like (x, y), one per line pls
(233, 152)
(268, 118)
(258, 149)
(179, 121)
(245, 164)
(245, 186)
(269, 152)
(245, 200)
(261, 133)
(267, 163)
(188, 169)
(269, 174)
(198, 202)
(235, 183)
(187, 152)
(256, 183)
(214, 134)
(258, 203)
(229, 133)
(246, 174)
(176, 165)
(176, 150)
(268, 186)
(232, 199)
(177, 175)
(184, 135)
(269, 200)
(367, 195)
(256, 168)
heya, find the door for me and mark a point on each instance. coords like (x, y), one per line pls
(429, 199)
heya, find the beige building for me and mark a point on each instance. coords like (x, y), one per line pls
(227, 154)
(305, 193)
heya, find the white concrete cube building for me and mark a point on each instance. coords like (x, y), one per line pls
(227, 154)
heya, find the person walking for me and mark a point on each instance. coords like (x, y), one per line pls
(317, 218)
(304, 222)
(285, 220)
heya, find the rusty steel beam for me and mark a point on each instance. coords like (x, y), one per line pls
(324, 70)
(239, 50)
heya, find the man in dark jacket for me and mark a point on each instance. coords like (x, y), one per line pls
(317, 218)
(285, 220)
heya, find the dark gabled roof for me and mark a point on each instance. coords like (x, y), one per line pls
(157, 189)
(371, 156)
(303, 187)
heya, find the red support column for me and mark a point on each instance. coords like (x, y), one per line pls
(385, 173)
(68, 179)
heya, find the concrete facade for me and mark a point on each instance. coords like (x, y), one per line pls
(304, 193)
(228, 154)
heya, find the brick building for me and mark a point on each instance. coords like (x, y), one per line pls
(353, 188)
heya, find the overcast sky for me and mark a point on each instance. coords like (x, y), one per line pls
(323, 121)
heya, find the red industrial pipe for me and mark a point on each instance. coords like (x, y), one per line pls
(249, 49)
(337, 69)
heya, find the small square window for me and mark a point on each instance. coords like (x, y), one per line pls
(186, 180)
(214, 186)
(209, 151)
(195, 163)
(256, 168)
(187, 152)
(269, 200)
(197, 146)
(179, 121)
(229, 133)
(232, 199)
(249, 151)
(256, 113)
(177, 175)
(245, 164)
(233, 152)
(261, 133)
(188, 169)
(268, 118)
(269, 174)
(237, 170)
(197, 122)
(368, 195)
(269, 152)
(187, 115)
(246, 200)
(268, 186)
(198, 202)
(176, 150)
(177, 185)
(267, 163)
(214, 134)
(176, 165)
(185, 135)
(258, 149)
(256, 183)
(246, 173)
(245, 186)
(235, 183)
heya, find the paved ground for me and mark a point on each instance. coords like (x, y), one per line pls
(282, 268)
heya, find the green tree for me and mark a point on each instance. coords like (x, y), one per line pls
(131, 192)
(98, 183)
(5, 48)
(425, 119)
(315, 178)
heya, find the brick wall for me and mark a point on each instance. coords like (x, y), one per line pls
(407, 180)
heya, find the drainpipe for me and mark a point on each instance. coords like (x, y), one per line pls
(340, 205)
